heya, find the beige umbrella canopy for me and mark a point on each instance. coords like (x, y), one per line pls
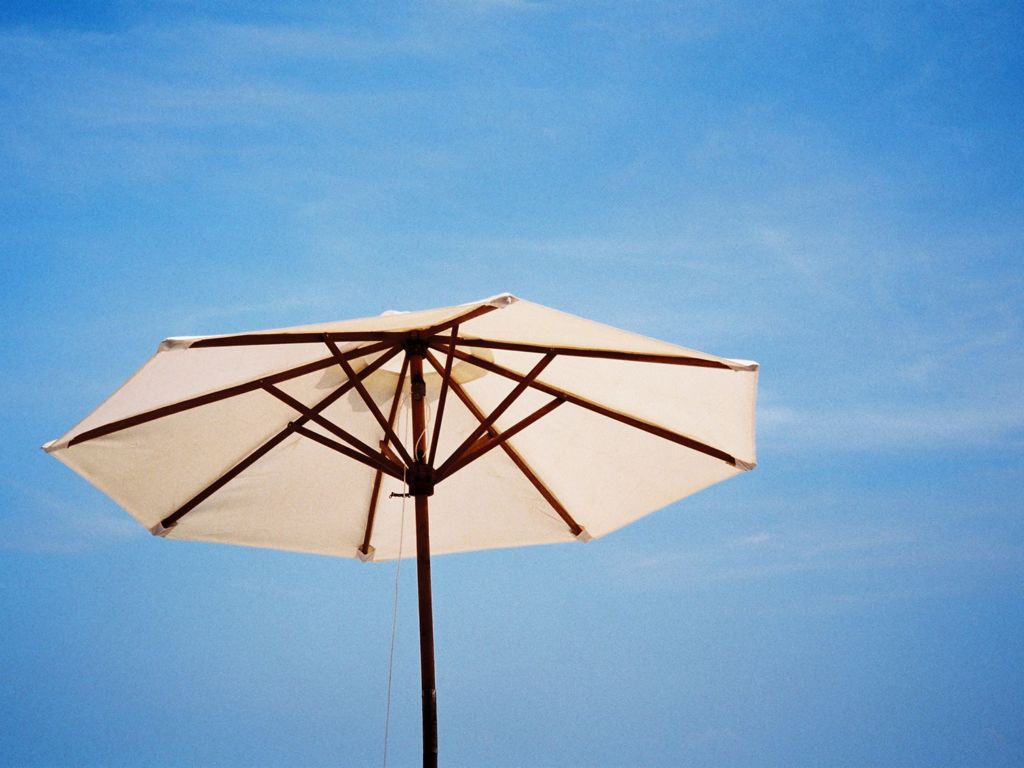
(525, 424)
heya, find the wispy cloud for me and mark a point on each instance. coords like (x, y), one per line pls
(40, 521)
(310, 303)
(301, 41)
(890, 426)
(758, 539)
(500, 5)
(825, 551)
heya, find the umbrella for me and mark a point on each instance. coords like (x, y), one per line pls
(525, 425)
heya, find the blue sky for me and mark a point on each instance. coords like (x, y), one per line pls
(832, 191)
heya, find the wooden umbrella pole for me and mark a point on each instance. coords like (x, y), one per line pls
(426, 635)
(421, 486)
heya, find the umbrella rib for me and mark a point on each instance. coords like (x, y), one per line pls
(172, 519)
(445, 377)
(221, 394)
(380, 460)
(498, 438)
(313, 337)
(517, 459)
(361, 389)
(457, 321)
(251, 459)
(364, 548)
(382, 339)
(606, 354)
(510, 398)
(632, 421)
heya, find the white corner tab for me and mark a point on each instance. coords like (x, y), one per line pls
(745, 365)
(500, 300)
(160, 530)
(584, 536)
(176, 342)
(367, 556)
(745, 466)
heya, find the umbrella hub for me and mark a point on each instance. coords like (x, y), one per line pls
(420, 479)
(415, 345)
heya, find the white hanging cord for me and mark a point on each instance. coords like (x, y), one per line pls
(421, 438)
(398, 574)
(394, 621)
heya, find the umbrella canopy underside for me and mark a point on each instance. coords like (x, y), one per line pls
(552, 428)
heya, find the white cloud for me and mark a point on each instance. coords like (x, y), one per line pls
(890, 426)
(41, 521)
(827, 549)
(499, 5)
(757, 539)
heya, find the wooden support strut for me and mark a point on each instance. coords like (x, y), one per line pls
(365, 454)
(289, 429)
(510, 398)
(513, 454)
(364, 548)
(389, 433)
(494, 438)
(446, 377)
